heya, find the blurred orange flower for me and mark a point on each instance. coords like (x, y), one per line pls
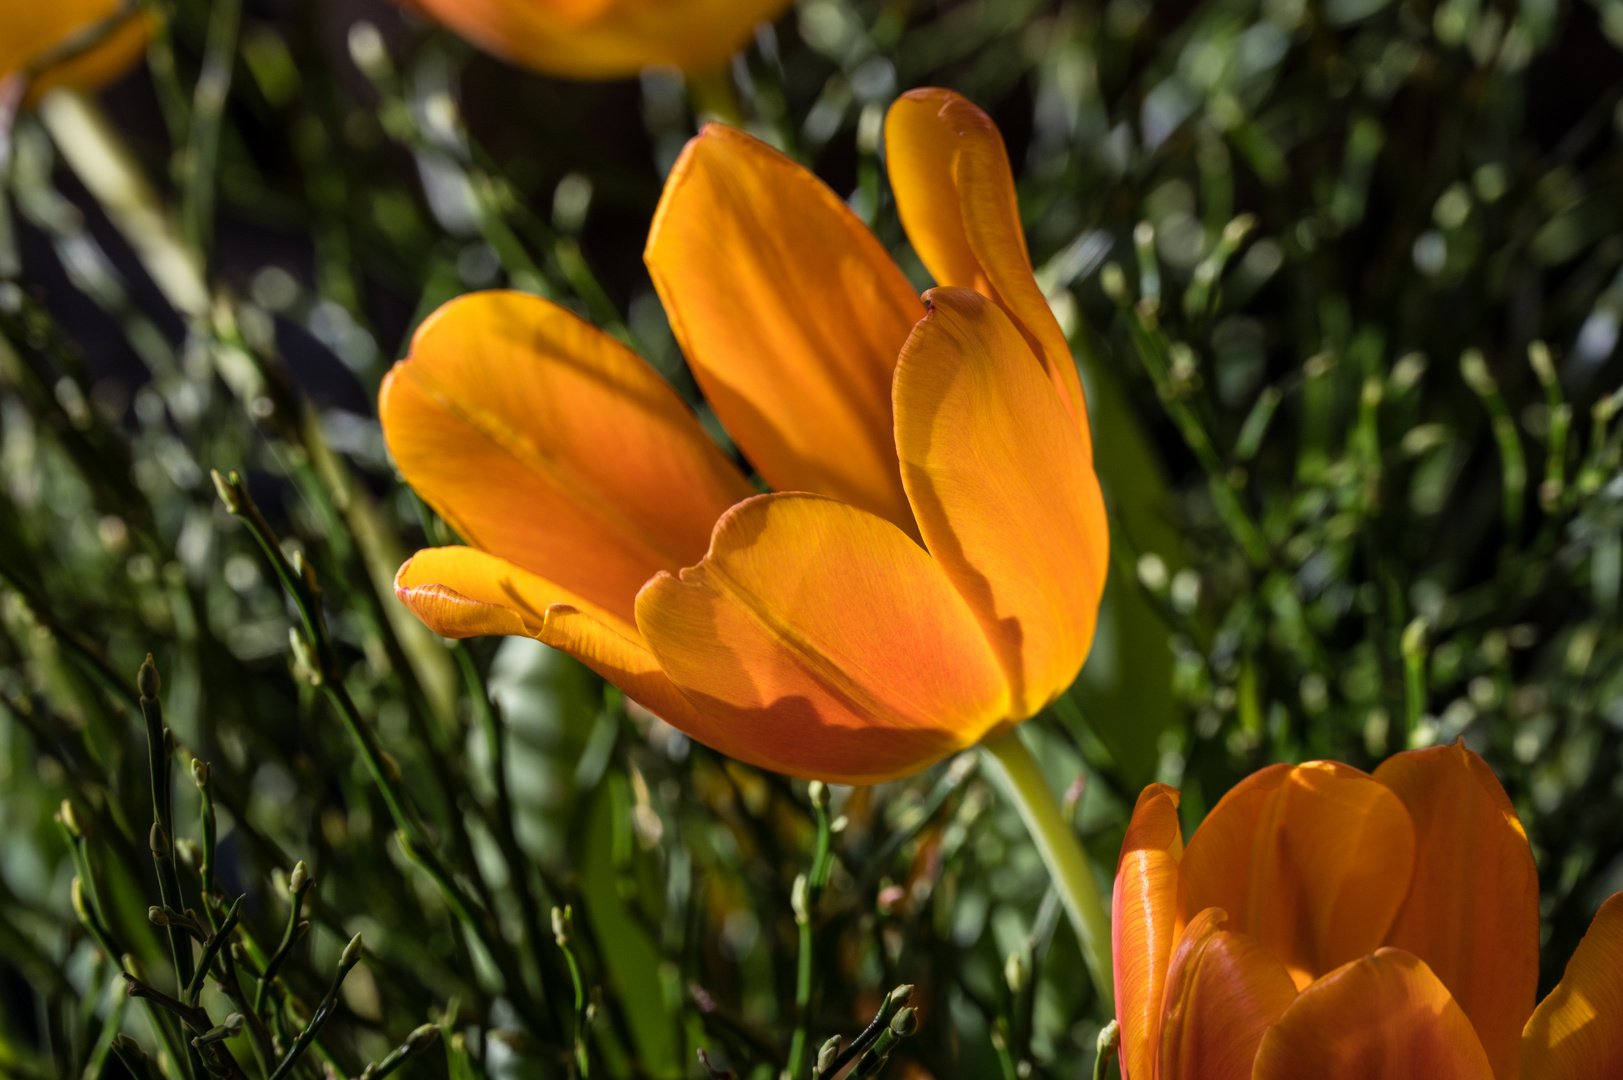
(605, 39)
(1331, 924)
(929, 572)
(82, 43)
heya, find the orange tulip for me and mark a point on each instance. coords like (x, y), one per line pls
(605, 39)
(42, 40)
(930, 571)
(1324, 923)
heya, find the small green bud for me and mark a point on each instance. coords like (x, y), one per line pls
(200, 773)
(69, 819)
(899, 996)
(127, 1045)
(905, 1023)
(826, 1055)
(817, 792)
(186, 851)
(1538, 354)
(226, 491)
(352, 953)
(1113, 280)
(1414, 638)
(1014, 973)
(147, 680)
(366, 48)
(229, 1029)
(1235, 232)
(299, 878)
(76, 894)
(562, 925)
(304, 655)
(306, 571)
(422, 1035)
(158, 841)
(798, 899)
(1474, 369)
(157, 916)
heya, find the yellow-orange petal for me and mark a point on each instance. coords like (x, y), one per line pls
(1223, 993)
(791, 314)
(985, 443)
(1577, 1032)
(544, 441)
(461, 592)
(955, 195)
(1474, 884)
(819, 641)
(1313, 862)
(605, 39)
(1143, 917)
(623, 661)
(1381, 1017)
(50, 42)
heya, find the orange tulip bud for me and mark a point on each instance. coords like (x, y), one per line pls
(1323, 920)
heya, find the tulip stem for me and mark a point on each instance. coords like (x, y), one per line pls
(1022, 781)
(714, 97)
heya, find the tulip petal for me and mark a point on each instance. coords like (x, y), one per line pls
(461, 592)
(1143, 911)
(955, 194)
(791, 314)
(33, 32)
(1381, 1017)
(1223, 993)
(821, 642)
(603, 39)
(546, 442)
(1474, 882)
(622, 661)
(984, 442)
(1577, 1032)
(1313, 862)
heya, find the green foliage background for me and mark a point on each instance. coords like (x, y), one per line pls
(1345, 280)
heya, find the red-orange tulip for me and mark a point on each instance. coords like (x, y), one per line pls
(1326, 924)
(929, 572)
(40, 39)
(605, 39)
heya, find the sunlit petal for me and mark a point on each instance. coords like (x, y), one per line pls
(33, 31)
(1313, 862)
(1144, 910)
(955, 194)
(623, 661)
(605, 39)
(463, 592)
(546, 442)
(986, 444)
(791, 314)
(1223, 992)
(1474, 884)
(1577, 1032)
(1381, 1017)
(819, 641)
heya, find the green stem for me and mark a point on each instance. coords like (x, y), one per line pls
(714, 97)
(1021, 779)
